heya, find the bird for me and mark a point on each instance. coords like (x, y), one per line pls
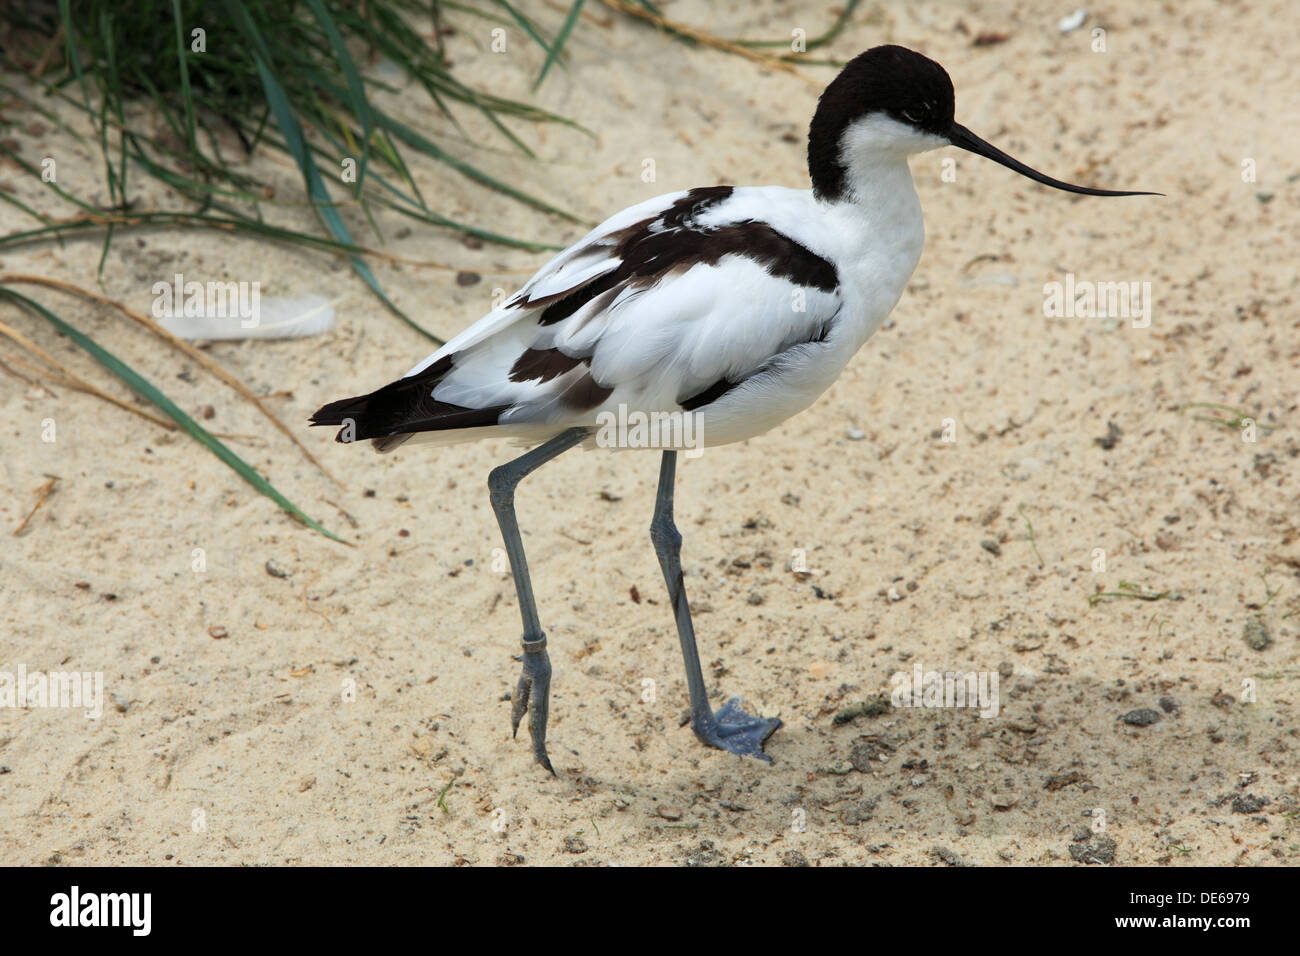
(717, 312)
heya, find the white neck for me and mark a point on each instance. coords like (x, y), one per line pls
(879, 208)
(876, 222)
(874, 151)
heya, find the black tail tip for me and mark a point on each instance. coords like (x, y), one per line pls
(337, 413)
(348, 413)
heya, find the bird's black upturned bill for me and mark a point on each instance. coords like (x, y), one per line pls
(963, 138)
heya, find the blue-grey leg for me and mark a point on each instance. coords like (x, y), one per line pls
(730, 728)
(535, 681)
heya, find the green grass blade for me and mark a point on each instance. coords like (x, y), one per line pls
(427, 146)
(145, 388)
(5, 197)
(111, 99)
(431, 149)
(59, 190)
(560, 39)
(526, 25)
(187, 95)
(356, 88)
(835, 29)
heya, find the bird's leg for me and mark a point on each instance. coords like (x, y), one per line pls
(535, 680)
(730, 728)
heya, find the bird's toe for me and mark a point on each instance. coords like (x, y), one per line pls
(533, 696)
(734, 730)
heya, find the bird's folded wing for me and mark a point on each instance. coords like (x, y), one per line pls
(670, 304)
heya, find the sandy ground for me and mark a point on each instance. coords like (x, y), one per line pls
(970, 555)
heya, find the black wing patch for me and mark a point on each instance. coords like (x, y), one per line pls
(542, 365)
(401, 407)
(673, 241)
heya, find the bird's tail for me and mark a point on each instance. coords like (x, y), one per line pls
(390, 415)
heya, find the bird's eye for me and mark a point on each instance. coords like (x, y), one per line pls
(919, 114)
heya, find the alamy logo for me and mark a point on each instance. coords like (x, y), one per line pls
(1074, 299)
(212, 300)
(922, 688)
(71, 689)
(134, 910)
(637, 429)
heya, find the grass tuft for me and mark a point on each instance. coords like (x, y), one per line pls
(264, 75)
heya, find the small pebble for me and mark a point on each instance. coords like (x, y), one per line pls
(1143, 717)
(860, 812)
(946, 855)
(1249, 803)
(1099, 849)
(1111, 438)
(1256, 634)
(1060, 781)
(875, 707)
(854, 434)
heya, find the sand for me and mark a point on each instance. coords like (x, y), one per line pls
(353, 710)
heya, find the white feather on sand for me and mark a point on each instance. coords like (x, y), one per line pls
(275, 318)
